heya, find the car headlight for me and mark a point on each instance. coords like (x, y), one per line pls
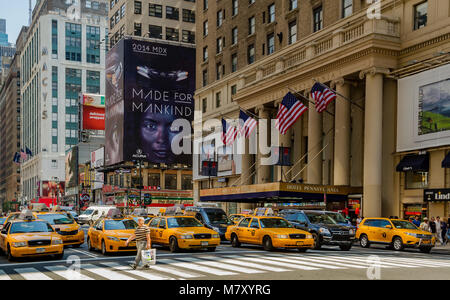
(113, 238)
(281, 236)
(324, 230)
(309, 236)
(215, 236)
(19, 244)
(411, 234)
(186, 236)
(57, 241)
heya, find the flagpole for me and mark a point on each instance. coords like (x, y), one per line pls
(297, 93)
(334, 91)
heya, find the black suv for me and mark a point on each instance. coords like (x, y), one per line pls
(212, 217)
(323, 228)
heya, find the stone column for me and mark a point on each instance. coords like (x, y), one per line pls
(342, 134)
(263, 171)
(373, 139)
(315, 144)
(284, 141)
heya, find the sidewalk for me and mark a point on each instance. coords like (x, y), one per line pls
(441, 249)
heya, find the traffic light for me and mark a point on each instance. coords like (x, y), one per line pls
(209, 168)
(284, 156)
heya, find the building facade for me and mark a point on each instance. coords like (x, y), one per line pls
(171, 20)
(251, 53)
(63, 56)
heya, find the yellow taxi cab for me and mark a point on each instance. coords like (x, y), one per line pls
(64, 224)
(27, 236)
(11, 216)
(110, 233)
(398, 234)
(2, 222)
(182, 232)
(269, 231)
(235, 218)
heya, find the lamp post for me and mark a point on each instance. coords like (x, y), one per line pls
(139, 156)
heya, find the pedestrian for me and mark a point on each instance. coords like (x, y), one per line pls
(425, 225)
(438, 225)
(433, 227)
(444, 232)
(416, 221)
(143, 242)
(358, 221)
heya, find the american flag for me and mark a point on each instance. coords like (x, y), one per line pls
(229, 133)
(248, 124)
(290, 110)
(23, 155)
(322, 96)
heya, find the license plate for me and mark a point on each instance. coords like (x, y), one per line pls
(299, 243)
(204, 243)
(40, 250)
(425, 241)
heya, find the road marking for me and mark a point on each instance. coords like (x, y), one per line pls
(250, 265)
(108, 274)
(357, 265)
(4, 276)
(63, 272)
(175, 272)
(419, 262)
(85, 253)
(364, 259)
(314, 263)
(196, 267)
(139, 273)
(264, 261)
(32, 274)
(221, 265)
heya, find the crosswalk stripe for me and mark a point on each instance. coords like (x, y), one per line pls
(196, 267)
(250, 265)
(364, 259)
(312, 262)
(355, 264)
(420, 262)
(63, 272)
(222, 265)
(165, 268)
(142, 274)
(108, 274)
(32, 274)
(264, 261)
(4, 276)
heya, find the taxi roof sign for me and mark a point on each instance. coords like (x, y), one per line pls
(27, 215)
(263, 211)
(39, 207)
(173, 211)
(114, 214)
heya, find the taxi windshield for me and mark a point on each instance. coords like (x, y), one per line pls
(120, 224)
(56, 219)
(320, 219)
(403, 225)
(27, 227)
(274, 223)
(217, 216)
(183, 222)
(337, 217)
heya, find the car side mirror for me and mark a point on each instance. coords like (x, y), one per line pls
(3, 231)
(388, 226)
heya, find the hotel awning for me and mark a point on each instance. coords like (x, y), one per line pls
(414, 162)
(446, 161)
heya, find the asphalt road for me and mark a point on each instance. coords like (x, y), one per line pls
(244, 263)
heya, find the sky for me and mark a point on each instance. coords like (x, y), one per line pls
(16, 14)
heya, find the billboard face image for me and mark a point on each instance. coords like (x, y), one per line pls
(72, 168)
(52, 189)
(434, 107)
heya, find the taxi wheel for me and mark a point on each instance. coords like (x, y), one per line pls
(397, 243)
(317, 244)
(364, 241)
(235, 241)
(9, 256)
(267, 242)
(104, 251)
(173, 245)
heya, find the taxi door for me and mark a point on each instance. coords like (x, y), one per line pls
(160, 231)
(153, 229)
(95, 234)
(370, 228)
(254, 232)
(242, 230)
(384, 234)
(165, 232)
(3, 236)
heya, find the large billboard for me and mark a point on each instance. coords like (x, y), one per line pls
(149, 86)
(93, 111)
(72, 168)
(424, 110)
(97, 161)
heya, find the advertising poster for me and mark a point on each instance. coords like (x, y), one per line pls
(72, 168)
(93, 118)
(52, 189)
(155, 85)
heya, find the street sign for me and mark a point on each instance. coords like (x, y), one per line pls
(85, 197)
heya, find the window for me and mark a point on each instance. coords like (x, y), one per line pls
(204, 104)
(251, 26)
(93, 82)
(205, 53)
(347, 8)
(218, 100)
(205, 77)
(205, 4)
(234, 62)
(54, 39)
(73, 42)
(54, 164)
(186, 182)
(293, 4)
(251, 1)
(137, 7)
(251, 54)
(292, 38)
(188, 16)
(233, 90)
(219, 45)
(122, 11)
(220, 17)
(205, 28)
(171, 181)
(93, 44)
(172, 13)
(218, 70)
(234, 7)
(271, 15)
(188, 36)
(155, 31)
(318, 19)
(155, 10)
(270, 44)
(420, 15)
(154, 179)
(416, 180)
(172, 34)
(234, 36)
(137, 29)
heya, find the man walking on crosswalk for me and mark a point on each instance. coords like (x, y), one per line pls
(142, 236)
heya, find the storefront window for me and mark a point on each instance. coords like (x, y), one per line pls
(135, 181)
(186, 182)
(416, 180)
(154, 179)
(171, 181)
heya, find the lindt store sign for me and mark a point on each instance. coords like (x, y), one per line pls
(437, 195)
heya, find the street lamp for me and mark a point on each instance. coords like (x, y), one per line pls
(139, 156)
